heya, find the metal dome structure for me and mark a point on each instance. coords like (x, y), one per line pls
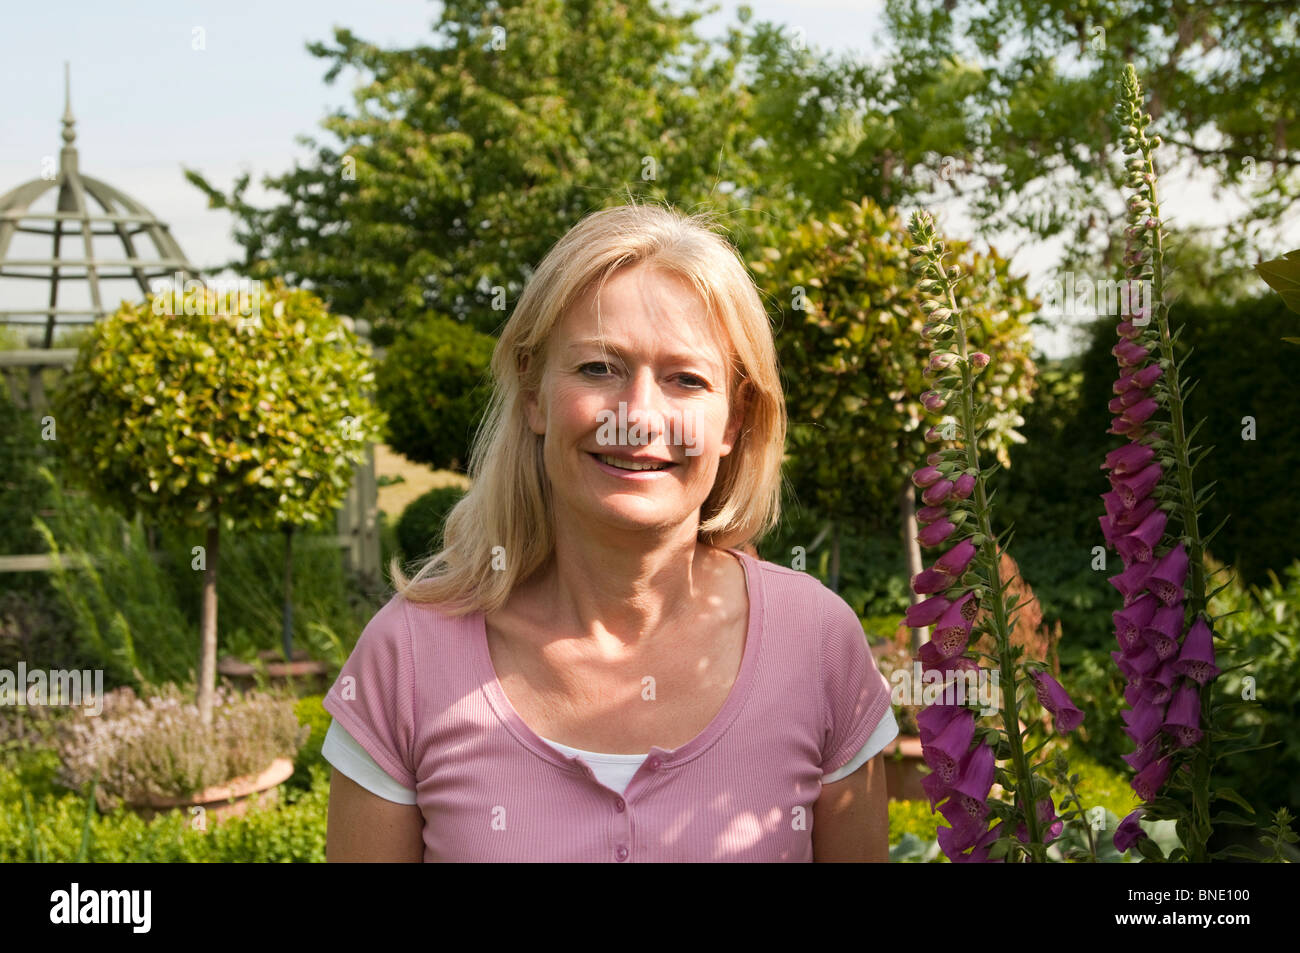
(89, 248)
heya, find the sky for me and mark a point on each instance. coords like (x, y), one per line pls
(227, 87)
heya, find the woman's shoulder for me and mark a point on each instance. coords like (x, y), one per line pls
(789, 580)
(403, 621)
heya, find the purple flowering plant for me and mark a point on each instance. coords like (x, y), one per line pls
(966, 599)
(1165, 632)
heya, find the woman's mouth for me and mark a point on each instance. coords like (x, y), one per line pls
(620, 467)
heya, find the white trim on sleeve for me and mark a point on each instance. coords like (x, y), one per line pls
(345, 753)
(885, 732)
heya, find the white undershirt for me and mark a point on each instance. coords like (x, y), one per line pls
(612, 770)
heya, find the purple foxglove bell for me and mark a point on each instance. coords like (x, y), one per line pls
(1164, 629)
(937, 493)
(1130, 354)
(945, 751)
(1109, 531)
(1129, 832)
(1131, 490)
(1057, 701)
(1136, 546)
(1147, 376)
(1139, 412)
(928, 514)
(926, 612)
(1145, 754)
(962, 488)
(1128, 459)
(1132, 691)
(952, 632)
(935, 790)
(979, 854)
(1157, 688)
(933, 719)
(1131, 583)
(930, 581)
(1142, 660)
(1183, 720)
(1130, 620)
(1196, 660)
(975, 779)
(1151, 779)
(927, 476)
(1130, 520)
(1143, 721)
(1130, 397)
(1124, 428)
(1124, 382)
(933, 400)
(955, 560)
(937, 532)
(969, 819)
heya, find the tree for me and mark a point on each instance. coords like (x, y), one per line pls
(1224, 80)
(465, 159)
(205, 412)
(433, 387)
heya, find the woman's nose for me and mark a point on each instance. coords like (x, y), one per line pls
(646, 404)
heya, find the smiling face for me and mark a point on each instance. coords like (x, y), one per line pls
(657, 392)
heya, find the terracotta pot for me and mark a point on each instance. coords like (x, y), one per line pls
(304, 671)
(223, 801)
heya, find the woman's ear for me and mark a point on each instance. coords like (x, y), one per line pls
(533, 410)
(736, 417)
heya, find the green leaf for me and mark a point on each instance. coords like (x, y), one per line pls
(1228, 794)
(1283, 276)
(1227, 817)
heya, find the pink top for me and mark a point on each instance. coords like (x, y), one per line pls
(419, 693)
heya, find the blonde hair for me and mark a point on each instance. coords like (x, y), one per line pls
(508, 504)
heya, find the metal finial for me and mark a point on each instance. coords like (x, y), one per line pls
(68, 122)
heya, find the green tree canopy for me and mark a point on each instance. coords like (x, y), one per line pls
(849, 341)
(466, 158)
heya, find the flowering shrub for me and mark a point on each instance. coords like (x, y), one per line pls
(967, 593)
(158, 746)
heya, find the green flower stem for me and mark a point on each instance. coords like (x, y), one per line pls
(1201, 829)
(1001, 626)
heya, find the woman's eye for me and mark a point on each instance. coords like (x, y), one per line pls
(692, 381)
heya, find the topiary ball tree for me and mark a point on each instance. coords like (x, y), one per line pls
(207, 409)
(433, 385)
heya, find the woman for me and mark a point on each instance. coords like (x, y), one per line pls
(597, 667)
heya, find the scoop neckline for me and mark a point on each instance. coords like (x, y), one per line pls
(665, 757)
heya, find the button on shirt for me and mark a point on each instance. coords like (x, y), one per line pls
(418, 704)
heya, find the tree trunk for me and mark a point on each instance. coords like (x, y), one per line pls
(208, 624)
(835, 558)
(912, 552)
(287, 633)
